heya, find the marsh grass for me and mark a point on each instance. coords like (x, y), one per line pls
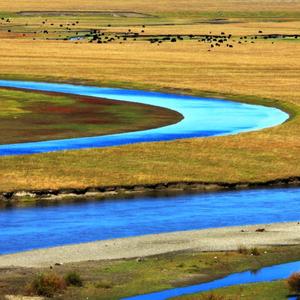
(261, 291)
(34, 116)
(120, 278)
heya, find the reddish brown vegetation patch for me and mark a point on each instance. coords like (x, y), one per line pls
(67, 116)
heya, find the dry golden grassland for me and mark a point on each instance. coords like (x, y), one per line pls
(262, 69)
(152, 6)
(262, 72)
(242, 28)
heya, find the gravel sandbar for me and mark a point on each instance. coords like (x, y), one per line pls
(216, 239)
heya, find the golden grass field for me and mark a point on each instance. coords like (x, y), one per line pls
(260, 73)
(152, 6)
(262, 69)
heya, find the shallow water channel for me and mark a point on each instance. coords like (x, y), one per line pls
(202, 117)
(276, 272)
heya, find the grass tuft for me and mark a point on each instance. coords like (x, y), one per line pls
(73, 279)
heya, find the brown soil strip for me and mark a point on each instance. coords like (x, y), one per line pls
(21, 197)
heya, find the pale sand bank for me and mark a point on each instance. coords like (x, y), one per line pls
(218, 239)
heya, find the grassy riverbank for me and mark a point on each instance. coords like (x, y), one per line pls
(265, 72)
(276, 290)
(120, 278)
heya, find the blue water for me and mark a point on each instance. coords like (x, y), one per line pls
(276, 272)
(202, 117)
(38, 227)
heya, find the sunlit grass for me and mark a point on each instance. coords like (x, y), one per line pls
(148, 6)
(262, 72)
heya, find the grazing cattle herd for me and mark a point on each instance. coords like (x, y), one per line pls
(72, 31)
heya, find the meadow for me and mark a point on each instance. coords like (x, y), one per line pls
(116, 279)
(147, 6)
(28, 116)
(128, 44)
(264, 72)
(275, 290)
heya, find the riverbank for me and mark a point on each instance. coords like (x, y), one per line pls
(271, 290)
(124, 277)
(217, 239)
(31, 197)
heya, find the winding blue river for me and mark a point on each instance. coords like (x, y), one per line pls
(38, 227)
(202, 117)
(83, 222)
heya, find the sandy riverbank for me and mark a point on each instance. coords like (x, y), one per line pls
(218, 239)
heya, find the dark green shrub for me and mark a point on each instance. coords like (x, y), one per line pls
(242, 250)
(74, 279)
(255, 251)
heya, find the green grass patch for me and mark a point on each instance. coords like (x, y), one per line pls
(276, 290)
(121, 278)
